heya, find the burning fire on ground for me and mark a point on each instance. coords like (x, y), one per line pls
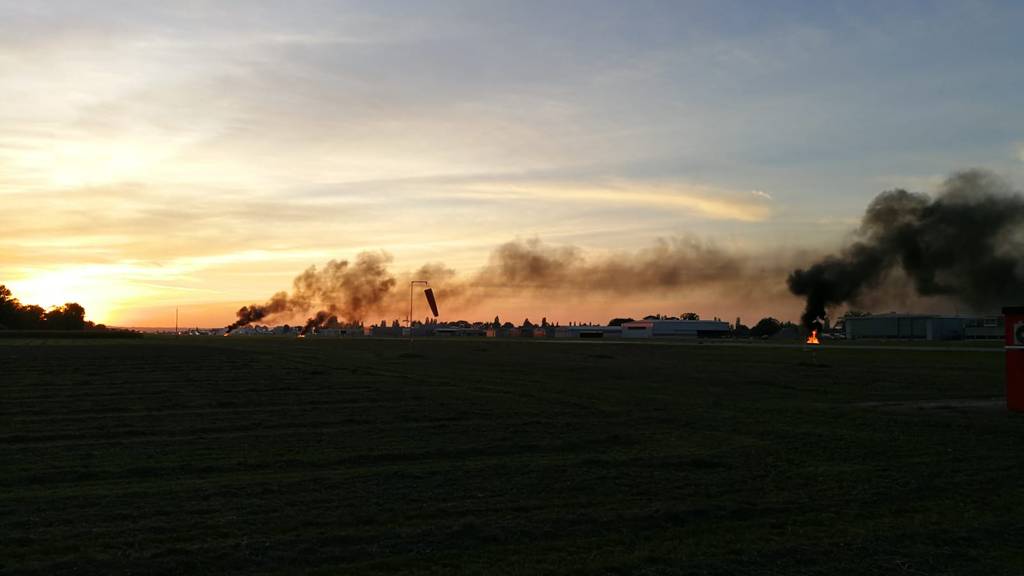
(813, 338)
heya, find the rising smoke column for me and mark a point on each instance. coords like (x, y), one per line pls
(966, 243)
(277, 304)
(338, 289)
(343, 290)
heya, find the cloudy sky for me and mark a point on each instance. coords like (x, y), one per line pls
(201, 154)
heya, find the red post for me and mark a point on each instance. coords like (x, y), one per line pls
(1014, 322)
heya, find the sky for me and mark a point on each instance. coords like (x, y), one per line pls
(199, 155)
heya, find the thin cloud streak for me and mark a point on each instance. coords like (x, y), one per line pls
(701, 201)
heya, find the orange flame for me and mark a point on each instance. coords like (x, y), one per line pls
(813, 338)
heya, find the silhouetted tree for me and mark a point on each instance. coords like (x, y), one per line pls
(70, 316)
(766, 327)
(619, 321)
(17, 316)
(497, 322)
(8, 308)
(689, 316)
(30, 317)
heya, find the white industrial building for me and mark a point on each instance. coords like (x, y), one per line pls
(586, 331)
(675, 329)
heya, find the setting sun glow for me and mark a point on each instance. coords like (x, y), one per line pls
(99, 293)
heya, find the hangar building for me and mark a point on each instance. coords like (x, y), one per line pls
(908, 326)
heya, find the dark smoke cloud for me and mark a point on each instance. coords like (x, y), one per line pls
(533, 268)
(672, 264)
(339, 289)
(277, 304)
(966, 244)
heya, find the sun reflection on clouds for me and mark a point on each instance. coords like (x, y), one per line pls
(93, 163)
(68, 159)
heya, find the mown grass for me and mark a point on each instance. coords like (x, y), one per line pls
(273, 456)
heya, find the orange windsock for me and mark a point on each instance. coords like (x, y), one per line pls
(429, 293)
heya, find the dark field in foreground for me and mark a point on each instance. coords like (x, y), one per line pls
(199, 456)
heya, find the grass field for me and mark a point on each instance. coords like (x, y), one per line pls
(272, 456)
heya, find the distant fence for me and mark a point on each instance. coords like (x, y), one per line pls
(50, 334)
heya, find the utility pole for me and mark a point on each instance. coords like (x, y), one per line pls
(411, 284)
(176, 333)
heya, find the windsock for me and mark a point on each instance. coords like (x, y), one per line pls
(429, 293)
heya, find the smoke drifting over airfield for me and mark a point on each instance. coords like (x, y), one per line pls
(966, 243)
(678, 263)
(352, 292)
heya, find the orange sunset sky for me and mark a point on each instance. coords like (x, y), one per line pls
(199, 155)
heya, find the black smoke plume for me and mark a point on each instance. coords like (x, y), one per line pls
(339, 289)
(966, 243)
(255, 312)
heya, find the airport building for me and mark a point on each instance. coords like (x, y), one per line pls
(906, 326)
(675, 329)
(459, 331)
(984, 328)
(337, 332)
(587, 331)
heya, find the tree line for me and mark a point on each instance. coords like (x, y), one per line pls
(17, 316)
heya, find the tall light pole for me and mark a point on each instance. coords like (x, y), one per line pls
(411, 284)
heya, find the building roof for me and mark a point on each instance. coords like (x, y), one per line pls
(907, 315)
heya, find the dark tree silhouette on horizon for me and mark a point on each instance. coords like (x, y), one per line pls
(17, 316)
(766, 327)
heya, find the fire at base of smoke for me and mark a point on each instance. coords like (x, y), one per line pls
(964, 244)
